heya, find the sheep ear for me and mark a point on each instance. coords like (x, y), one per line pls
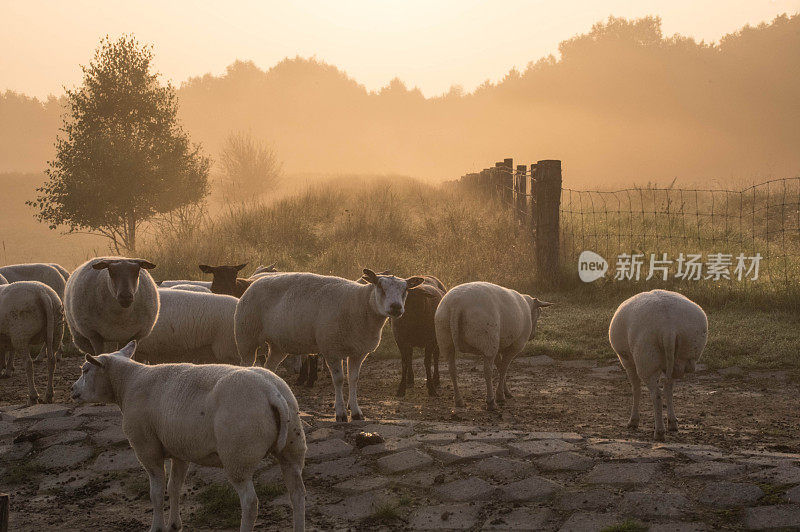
(370, 276)
(271, 267)
(91, 360)
(385, 272)
(128, 350)
(100, 265)
(538, 303)
(206, 269)
(413, 282)
(145, 264)
(240, 266)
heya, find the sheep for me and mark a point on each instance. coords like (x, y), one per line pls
(173, 283)
(302, 313)
(488, 320)
(35, 271)
(225, 279)
(652, 333)
(31, 312)
(110, 299)
(262, 270)
(415, 328)
(191, 327)
(213, 415)
(190, 288)
(62, 270)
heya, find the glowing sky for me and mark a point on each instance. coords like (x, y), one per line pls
(431, 44)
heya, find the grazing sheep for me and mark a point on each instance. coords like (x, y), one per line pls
(110, 299)
(488, 320)
(62, 270)
(36, 271)
(653, 333)
(415, 328)
(225, 279)
(302, 313)
(31, 313)
(189, 288)
(213, 415)
(191, 327)
(173, 283)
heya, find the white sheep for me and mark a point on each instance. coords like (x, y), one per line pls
(213, 415)
(191, 327)
(653, 333)
(36, 271)
(173, 283)
(487, 320)
(190, 288)
(31, 312)
(110, 299)
(62, 270)
(303, 313)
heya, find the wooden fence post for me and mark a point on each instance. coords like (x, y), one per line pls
(4, 511)
(507, 173)
(521, 189)
(547, 187)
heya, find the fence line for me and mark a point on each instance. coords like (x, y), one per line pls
(645, 222)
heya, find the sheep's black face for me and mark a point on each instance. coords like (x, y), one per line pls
(224, 281)
(123, 277)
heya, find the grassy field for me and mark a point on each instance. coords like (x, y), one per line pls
(346, 224)
(409, 227)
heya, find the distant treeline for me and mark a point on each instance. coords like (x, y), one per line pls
(622, 103)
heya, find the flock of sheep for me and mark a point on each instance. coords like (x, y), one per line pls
(216, 412)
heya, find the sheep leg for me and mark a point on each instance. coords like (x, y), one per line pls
(451, 365)
(293, 477)
(436, 365)
(97, 344)
(406, 353)
(337, 375)
(51, 369)
(353, 369)
(33, 395)
(8, 366)
(672, 421)
(313, 370)
(488, 370)
(636, 388)
(177, 474)
(274, 359)
(658, 413)
(157, 477)
(303, 376)
(429, 377)
(248, 501)
(501, 393)
(82, 343)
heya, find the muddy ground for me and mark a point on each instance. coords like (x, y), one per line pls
(738, 408)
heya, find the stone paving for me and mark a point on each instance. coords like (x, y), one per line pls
(431, 476)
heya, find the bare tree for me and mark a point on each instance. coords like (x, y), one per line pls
(251, 166)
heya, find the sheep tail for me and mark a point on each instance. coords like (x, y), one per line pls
(281, 408)
(46, 305)
(668, 343)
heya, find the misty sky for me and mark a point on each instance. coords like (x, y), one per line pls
(431, 44)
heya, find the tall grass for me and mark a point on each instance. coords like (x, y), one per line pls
(341, 227)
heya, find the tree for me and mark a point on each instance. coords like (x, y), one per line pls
(250, 165)
(124, 157)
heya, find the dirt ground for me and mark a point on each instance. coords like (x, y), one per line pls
(753, 409)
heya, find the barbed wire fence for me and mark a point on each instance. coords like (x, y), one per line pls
(752, 234)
